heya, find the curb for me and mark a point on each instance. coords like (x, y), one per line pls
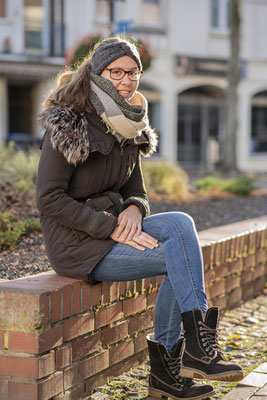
(253, 386)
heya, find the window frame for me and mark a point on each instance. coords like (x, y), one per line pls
(223, 17)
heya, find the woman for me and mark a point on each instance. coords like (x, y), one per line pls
(94, 214)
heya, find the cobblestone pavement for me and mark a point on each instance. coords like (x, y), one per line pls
(243, 338)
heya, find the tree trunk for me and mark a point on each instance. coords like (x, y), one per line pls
(233, 77)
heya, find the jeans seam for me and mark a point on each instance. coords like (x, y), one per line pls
(181, 237)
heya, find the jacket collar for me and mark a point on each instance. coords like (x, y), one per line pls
(75, 134)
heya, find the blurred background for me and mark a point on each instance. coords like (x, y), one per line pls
(205, 77)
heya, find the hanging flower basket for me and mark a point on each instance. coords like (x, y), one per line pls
(75, 55)
(145, 54)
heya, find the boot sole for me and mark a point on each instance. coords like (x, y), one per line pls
(161, 394)
(234, 376)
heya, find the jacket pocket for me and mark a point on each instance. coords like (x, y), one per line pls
(101, 203)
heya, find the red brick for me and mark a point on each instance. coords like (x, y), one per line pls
(93, 365)
(22, 391)
(86, 346)
(246, 276)
(247, 291)
(249, 261)
(96, 295)
(105, 292)
(220, 271)
(56, 314)
(210, 275)
(26, 342)
(115, 334)
(134, 305)
(71, 376)
(17, 366)
(27, 367)
(76, 297)
(159, 279)
(235, 266)
(216, 289)
(139, 286)
(140, 342)
(116, 370)
(232, 282)
(206, 251)
(66, 299)
(261, 256)
(121, 352)
(109, 314)
(234, 298)
(151, 298)
(122, 289)
(140, 322)
(258, 271)
(86, 296)
(63, 357)
(78, 326)
(4, 389)
(22, 309)
(252, 241)
(258, 285)
(220, 302)
(46, 364)
(146, 283)
(113, 291)
(51, 386)
(71, 394)
(1, 340)
(51, 338)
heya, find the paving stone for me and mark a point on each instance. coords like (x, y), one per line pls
(254, 379)
(240, 393)
(262, 391)
(262, 368)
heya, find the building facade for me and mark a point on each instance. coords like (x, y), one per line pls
(186, 84)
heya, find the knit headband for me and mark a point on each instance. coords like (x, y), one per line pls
(110, 50)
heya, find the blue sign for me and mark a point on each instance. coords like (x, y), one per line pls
(124, 26)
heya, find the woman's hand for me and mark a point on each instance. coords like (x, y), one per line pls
(129, 223)
(129, 230)
(139, 242)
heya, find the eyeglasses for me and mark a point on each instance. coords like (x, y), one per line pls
(118, 74)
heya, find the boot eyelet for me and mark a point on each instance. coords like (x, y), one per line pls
(199, 322)
(201, 333)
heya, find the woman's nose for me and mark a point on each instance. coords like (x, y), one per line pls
(126, 79)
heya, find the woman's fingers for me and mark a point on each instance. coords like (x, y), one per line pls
(145, 240)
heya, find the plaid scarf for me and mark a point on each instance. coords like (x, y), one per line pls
(123, 120)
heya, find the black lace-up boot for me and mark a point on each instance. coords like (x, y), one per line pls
(203, 358)
(165, 381)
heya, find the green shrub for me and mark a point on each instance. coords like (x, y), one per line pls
(209, 183)
(240, 186)
(18, 169)
(11, 228)
(165, 178)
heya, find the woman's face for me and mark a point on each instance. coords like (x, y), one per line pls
(124, 86)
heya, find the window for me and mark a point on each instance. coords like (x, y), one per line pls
(57, 31)
(150, 11)
(33, 24)
(259, 123)
(220, 15)
(3, 8)
(103, 10)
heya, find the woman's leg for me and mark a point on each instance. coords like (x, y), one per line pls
(178, 256)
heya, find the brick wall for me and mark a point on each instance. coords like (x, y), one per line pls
(60, 338)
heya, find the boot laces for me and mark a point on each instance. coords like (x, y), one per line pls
(210, 339)
(174, 367)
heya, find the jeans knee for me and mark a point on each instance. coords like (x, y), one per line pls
(183, 221)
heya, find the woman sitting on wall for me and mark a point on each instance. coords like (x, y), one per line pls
(95, 215)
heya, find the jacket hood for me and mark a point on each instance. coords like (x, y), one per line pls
(71, 133)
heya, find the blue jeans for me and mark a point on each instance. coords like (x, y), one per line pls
(178, 257)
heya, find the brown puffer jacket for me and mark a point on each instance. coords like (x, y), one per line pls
(85, 179)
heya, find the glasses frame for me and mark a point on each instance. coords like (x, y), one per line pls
(124, 73)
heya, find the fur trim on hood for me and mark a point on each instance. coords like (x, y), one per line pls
(70, 133)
